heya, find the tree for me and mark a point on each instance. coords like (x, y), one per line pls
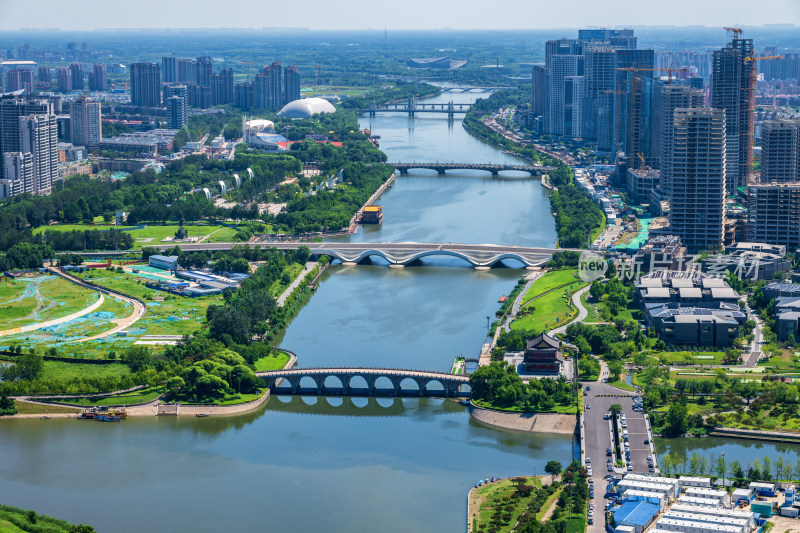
(677, 422)
(30, 366)
(615, 368)
(137, 358)
(615, 409)
(553, 468)
(81, 528)
(694, 464)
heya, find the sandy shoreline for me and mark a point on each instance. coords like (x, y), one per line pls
(536, 422)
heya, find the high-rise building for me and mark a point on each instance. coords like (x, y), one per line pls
(268, 88)
(77, 76)
(539, 82)
(697, 209)
(169, 69)
(145, 84)
(38, 135)
(573, 106)
(176, 112)
(205, 68)
(43, 75)
(599, 64)
(18, 171)
(98, 78)
(244, 95)
(187, 71)
(563, 59)
(11, 109)
(669, 98)
(616, 38)
(85, 122)
(780, 151)
(17, 79)
(730, 90)
(199, 96)
(291, 84)
(64, 79)
(222, 87)
(773, 214)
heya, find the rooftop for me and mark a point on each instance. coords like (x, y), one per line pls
(636, 513)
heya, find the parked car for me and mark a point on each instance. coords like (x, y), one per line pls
(630, 468)
(607, 416)
(609, 451)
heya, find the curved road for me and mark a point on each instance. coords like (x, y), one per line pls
(582, 311)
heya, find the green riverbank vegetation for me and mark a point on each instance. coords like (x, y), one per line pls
(498, 386)
(14, 520)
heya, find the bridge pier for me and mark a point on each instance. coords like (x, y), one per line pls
(396, 265)
(482, 268)
(440, 171)
(349, 263)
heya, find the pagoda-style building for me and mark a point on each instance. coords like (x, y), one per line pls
(543, 355)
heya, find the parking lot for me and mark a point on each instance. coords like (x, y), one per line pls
(598, 400)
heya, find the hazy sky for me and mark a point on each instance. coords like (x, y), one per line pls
(403, 14)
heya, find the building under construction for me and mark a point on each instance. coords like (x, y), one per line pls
(733, 89)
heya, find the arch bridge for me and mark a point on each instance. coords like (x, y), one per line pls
(493, 168)
(451, 384)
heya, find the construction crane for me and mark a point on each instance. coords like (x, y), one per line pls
(249, 68)
(735, 31)
(749, 61)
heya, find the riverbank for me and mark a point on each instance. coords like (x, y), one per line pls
(536, 422)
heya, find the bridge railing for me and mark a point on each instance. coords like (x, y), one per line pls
(359, 369)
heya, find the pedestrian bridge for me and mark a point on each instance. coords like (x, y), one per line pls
(400, 254)
(365, 382)
(494, 169)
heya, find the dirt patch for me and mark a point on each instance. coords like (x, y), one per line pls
(785, 525)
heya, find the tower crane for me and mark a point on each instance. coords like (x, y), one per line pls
(249, 69)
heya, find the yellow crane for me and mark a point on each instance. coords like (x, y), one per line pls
(249, 68)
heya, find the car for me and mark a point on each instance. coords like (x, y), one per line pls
(609, 451)
(647, 441)
(610, 468)
(591, 513)
(588, 460)
(591, 520)
(607, 416)
(652, 470)
(585, 393)
(588, 406)
(591, 481)
(630, 468)
(588, 387)
(589, 471)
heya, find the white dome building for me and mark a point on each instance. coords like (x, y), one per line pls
(306, 107)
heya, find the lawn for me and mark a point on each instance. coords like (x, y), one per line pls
(549, 281)
(152, 235)
(593, 308)
(27, 408)
(548, 311)
(39, 299)
(276, 360)
(129, 398)
(278, 286)
(560, 409)
(68, 371)
(484, 500)
(695, 358)
(622, 384)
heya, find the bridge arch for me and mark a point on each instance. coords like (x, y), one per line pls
(383, 385)
(414, 388)
(438, 386)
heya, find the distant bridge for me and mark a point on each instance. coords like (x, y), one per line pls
(411, 107)
(475, 89)
(495, 169)
(449, 384)
(481, 256)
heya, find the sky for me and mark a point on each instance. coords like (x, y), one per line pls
(394, 15)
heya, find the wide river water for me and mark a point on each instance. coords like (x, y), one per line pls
(334, 465)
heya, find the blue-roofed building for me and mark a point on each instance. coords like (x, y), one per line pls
(165, 262)
(636, 514)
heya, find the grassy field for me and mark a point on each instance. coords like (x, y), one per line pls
(622, 384)
(693, 358)
(67, 371)
(152, 235)
(491, 495)
(129, 398)
(14, 520)
(27, 408)
(176, 315)
(549, 310)
(40, 299)
(276, 360)
(278, 286)
(549, 281)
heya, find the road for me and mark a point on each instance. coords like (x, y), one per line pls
(758, 340)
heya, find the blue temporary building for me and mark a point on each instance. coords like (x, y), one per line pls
(637, 515)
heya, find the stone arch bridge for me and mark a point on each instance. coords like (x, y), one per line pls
(450, 384)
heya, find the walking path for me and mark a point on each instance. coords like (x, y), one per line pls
(758, 340)
(300, 277)
(39, 325)
(582, 311)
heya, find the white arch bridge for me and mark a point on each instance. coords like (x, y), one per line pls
(447, 385)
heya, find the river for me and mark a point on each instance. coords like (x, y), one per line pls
(305, 464)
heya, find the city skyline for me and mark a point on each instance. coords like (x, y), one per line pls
(351, 15)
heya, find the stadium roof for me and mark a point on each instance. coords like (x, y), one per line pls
(306, 107)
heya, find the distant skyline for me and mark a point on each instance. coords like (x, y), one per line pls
(406, 15)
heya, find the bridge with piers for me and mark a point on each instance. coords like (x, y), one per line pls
(400, 254)
(494, 169)
(411, 107)
(449, 385)
(475, 89)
